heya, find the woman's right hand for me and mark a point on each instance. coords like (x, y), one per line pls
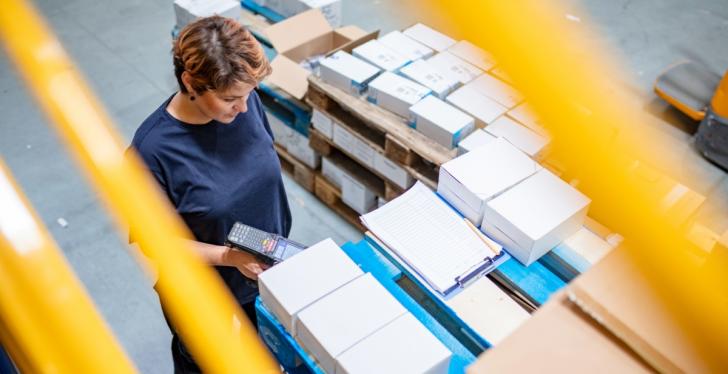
(245, 262)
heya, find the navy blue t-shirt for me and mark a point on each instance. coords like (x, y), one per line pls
(216, 174)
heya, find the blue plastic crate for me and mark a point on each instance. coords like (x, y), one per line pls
(268, 13)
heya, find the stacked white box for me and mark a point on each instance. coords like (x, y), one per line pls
(454, 67)
(392, 171)
(347, 72)
(357, 148)
(524, 115)
(298, 147)
(527, 140)
(534, 216)
(469, 181)
(497, 90)
(406, 46)
(281, 132)
(429, 37)
(395, 93)
(440, 121)
(467, 51)
(344, 317)
(290, 286)
(476, 139)
(481, 107)
(186, 11)
(403, 346)
(323, 123)
(356, 195)
(333, 172)
(426, 74)
(380, 55)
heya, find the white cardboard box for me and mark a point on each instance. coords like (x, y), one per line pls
(476, 139)
(298, 147)
(469, 181)
(441, 121)
(527, 140)
(186, 11)
(535, 216)
(484, 109)
(349, 142)
(395, 93)
(524, 115)
(454, 67)
(403, 346)
(344, 317)
(281, 132)
(497, 90)
(429, 37)
(392, 171)
(380, 55)
(289, 287)
(356, 195)
(406, 46)
(333, 172)
(323, 123)
(467, 51)
(426, 74)
(347, 72)
(381, 202)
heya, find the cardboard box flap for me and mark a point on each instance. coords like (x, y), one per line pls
(297, 30)
(351, 32)
(558, 338)
(349, 45)
(618, 296)
(289, 76)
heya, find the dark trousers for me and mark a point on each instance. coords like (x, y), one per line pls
(183, 361)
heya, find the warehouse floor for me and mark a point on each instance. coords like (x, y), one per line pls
(122, 47)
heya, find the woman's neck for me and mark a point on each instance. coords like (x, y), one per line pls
(183, 109)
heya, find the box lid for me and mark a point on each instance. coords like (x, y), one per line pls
(559, 339)
(617, 294)
(521, 136)
(441, 113)
(488, 171)
(472, 54)
(539, 203)
(476, 104)
(297, 30)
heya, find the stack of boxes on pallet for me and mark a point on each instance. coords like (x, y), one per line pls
(345, 319)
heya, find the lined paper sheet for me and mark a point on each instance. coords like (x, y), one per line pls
(431, 237)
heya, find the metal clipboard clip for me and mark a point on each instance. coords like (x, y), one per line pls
(474, 273)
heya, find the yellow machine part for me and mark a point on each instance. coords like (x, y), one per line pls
(719, 103)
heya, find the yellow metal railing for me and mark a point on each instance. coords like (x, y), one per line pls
(200, 307)
(561, 71)
(49, 323)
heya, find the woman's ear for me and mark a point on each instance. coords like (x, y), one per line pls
(186, 80)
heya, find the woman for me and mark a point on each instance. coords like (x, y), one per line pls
(211, 149)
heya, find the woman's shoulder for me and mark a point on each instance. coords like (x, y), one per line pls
(151, 129)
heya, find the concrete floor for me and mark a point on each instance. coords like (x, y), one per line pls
(122, 47)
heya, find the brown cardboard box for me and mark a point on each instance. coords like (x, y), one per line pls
(300, 37)
(559, 338)
(617, 295)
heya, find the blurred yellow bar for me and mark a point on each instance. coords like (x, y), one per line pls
(48, 321)
(201, 308)
(558, 67)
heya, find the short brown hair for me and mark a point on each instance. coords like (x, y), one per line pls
(218, 52)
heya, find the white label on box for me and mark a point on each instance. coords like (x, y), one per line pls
(392, 171)
(454, 67)
(323, 123)
(356, 195)
(332, 172)
(406, 46)
(380, 55)
(427, 75)
(298, 147)
(281, 132)
(354, 146)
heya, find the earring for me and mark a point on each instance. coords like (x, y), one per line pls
(192, 97)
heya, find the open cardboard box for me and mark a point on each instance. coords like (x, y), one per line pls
(302, 36)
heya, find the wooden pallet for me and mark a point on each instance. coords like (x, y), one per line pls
(301, 173)
(388, 132)
(330, 195)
